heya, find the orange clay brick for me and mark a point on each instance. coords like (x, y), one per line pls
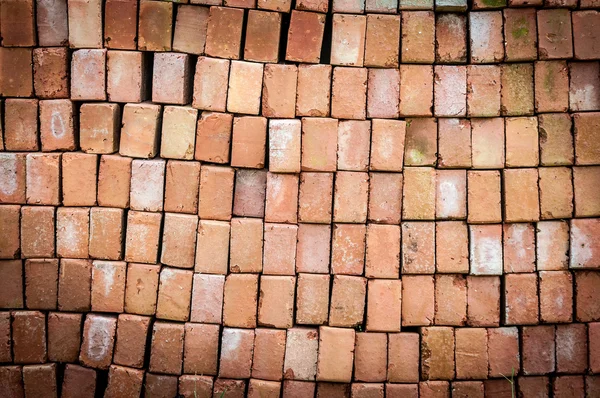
(37, 231)
(503, 350)
(583, 248)
(354, 139)
(521, 195)
(421, 142)
(348, 39)
(108, 286)
(418, 248)
(190, 29)
(224, 32)
(483, 301)
(584, 179)
(314, 90)
(485, 249)
(370, 360)
(56, 125)
(319, 144)
(88, 75)
(200, 349)
(212, 247)
(142, 235)
(99, 128)
(245, 84)
(29, 337)
(418, 202)
(50, 66)
(141, 288)
(383, 93)
(98, 341)
(315, 198)
(10, 227)
(484, 196)
(350, 197)
(584, 77)
(74, 285)
(155, 26)
(17, 77)
(12, 284)
(451, 194)
(279, 91)
(451, 38)
(262, 36)
(216, 193)
(403, 358)
(279, 254)
(249, 138)
(556, 192)
(450, 90)
(418, 36)
(305, 37)
(584, 38)
(79, 175)
(586, 299)
(437, 353)
(240, 300)
(416, 90)
(520, 31)
(312, 302)
(210, 84)
(127, 76)
(124, 380)
(385, 197)
(276, 301)
(246, 246)
(284, 145)
(452, 249)
(483, 90)
(382, 41)
(418, 304)
(555, 290)
(336, 354)
(166, 353)
(485, 32)
(236, 353)
(313, 248)
(450, 300)
(349, 92)
(471, 353)
(454, 143)
(207, 298)
(139, 130)
(12, 178)
(517, 89)
(348, 249)
(519, 248)
(551, 86)
(538, 350)
(250, 193)
(383, 251)
(522, 143)
(114, 179)
(181, 186)
(41, 284)
(384, 304)
(586, 134)
(178, 132)
(282, 198)
(174, 294)
(521, 306)
(387, 145)
(179, 240)
(213, 137)
(42, 178)
(120, 24)
(348, 294)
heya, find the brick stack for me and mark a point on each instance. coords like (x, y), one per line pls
(264, 198)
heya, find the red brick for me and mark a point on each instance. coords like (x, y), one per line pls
(418, 37)
(349, 91)
(437, 353)
(556, 140)
(213, 137)
(586, 141)
(171, 78)
(450, 300)
(521, 299)
(416, 90)
(571, 348)
(17, 72)
(418, 305)
(5, 340)
(194, 384)
(166, 355)
(269, 350)
(42, 178)
(50, 72)
(29, 337)
(88, 75)
(240, 300)
(78, 382)
(519, 248)
(517, 89)
(179, 240)
(316, 196)
(418, 194)
(181, 186)
(312, 303)
(521, 195)
(120, 24)
(567, 386)
(212, 246)
(487, 41)
(464, 389)
(245, 84)
(556, 192)
(313, 91)
(126, 77)
(279, 91)
(421, 142)
(347, 305)
(483, 90)
(40, 380)
(503, 351)
(451, 38)
(451, 195)
(452, 249)
(160, 385)
(402, 390)
(201, 348)
(10, 229)
(319, 144)
(387, 145)
(37, 231)
(106, 233)
(235, 388)
(207, 298)
(487, 143)
(555, 39)
(348, 39)
(140, 130)
(12, 178)
(351, 197)
(538, 350)
(584, 84)
(305, 36)
(224, 32)
(114, 178)
(99, 128)
(132, 334)
(263, 388)
(336, 354)
(52, 23)
(79, 176)
(418, 248)
(520, 32)
(454, 143)
(592, 385)
(313, 248)
(552, 245)
(312, 5)
(246, 246)
(354, 139)
(155, 26)
(141, 289)
(216, 193)
(370, 361)
(471, 353)
(190, 29)
(587, 307)
(210, 84)
(108, 286)
(348, 249)
(403, 357)
(383, 95)
(383, 251)
(174, 294)
(279, 254)
(276, 303)
(584, 34)
(384, 305)
(147, 185)
(522, 147)
(584, 249)
(385, 197)
(262, 36)
(98, 341)
(236, 353)
(124, 381)
(551, 86)
(298, 389)
(382, 42)
(41, 284)
(450, 90)
(584, 179)
(483, 300)
(348, 6)
(85, 24)
(64, 337)
(249, 142)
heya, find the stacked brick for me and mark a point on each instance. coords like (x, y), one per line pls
(272, 198)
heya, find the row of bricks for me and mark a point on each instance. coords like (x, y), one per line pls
(249, 245)
(81, 382)
(341, 300)
(510, 35)
(220, 192)
(288, 90)
(325, 353)
(307, 144)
